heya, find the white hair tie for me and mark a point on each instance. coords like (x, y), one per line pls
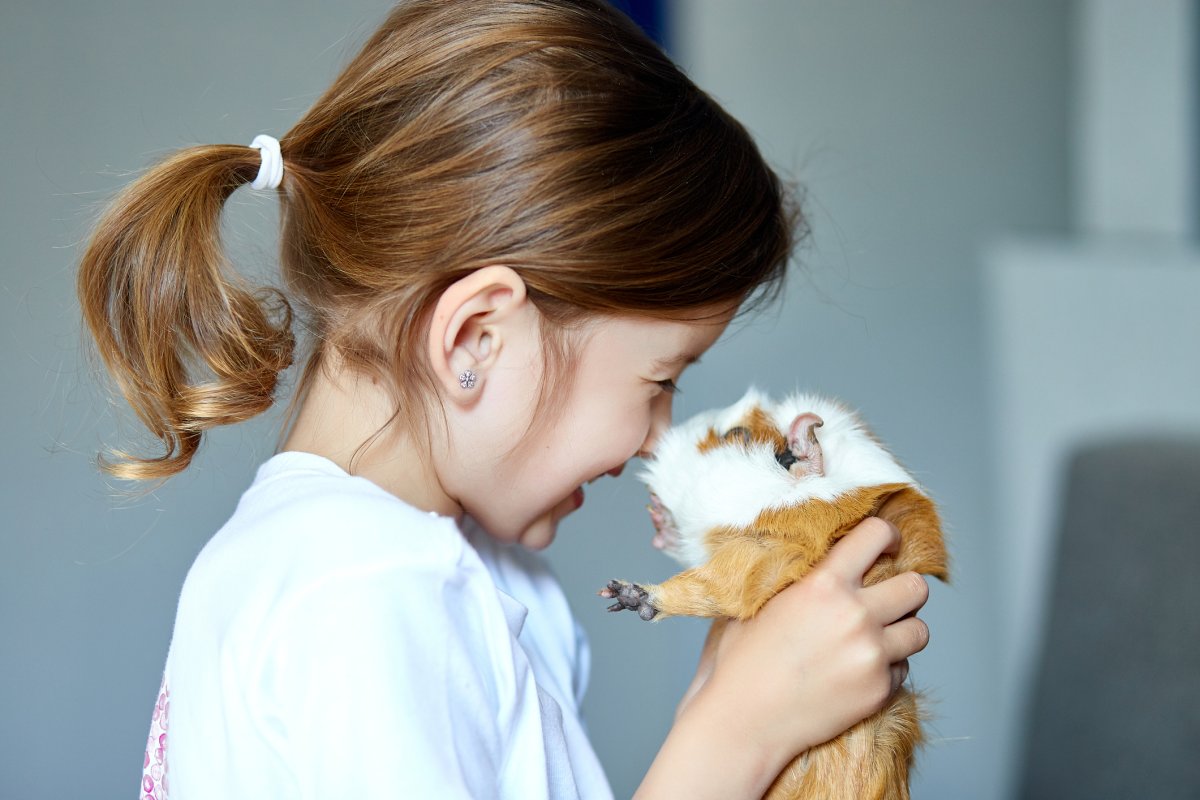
(270, 171)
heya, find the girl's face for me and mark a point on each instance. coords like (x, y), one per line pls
(619, 401)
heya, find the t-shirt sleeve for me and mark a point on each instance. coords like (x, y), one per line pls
(381, 682)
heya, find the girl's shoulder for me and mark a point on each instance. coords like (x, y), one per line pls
(302, 494)
(304, 520)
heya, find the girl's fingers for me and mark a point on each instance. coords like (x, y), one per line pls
(899, 595)
(858, 550)
(904, 638)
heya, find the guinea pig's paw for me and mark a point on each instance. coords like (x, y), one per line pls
(629, 596)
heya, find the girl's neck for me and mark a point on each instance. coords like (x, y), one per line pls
(341, 411)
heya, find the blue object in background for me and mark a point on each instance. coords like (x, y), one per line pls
(650, 15)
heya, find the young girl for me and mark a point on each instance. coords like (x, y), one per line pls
(509, 226)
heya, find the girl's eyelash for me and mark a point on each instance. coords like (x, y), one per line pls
(670, 387)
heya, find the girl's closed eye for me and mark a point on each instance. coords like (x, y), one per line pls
(669, 386)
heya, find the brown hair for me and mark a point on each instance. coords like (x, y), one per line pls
(551, 136)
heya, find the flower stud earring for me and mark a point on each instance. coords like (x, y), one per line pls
(466, 379)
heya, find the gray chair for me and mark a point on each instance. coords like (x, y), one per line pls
(1115, 706)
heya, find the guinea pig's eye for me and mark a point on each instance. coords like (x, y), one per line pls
(738, 434)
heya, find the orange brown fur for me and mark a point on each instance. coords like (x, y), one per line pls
(709, 442)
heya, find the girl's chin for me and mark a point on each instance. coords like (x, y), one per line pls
(541, 532)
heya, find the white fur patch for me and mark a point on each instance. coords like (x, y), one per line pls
(732, 484)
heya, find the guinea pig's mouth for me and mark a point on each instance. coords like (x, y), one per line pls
(666, 533)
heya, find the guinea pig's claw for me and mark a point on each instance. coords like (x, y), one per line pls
(629, 596)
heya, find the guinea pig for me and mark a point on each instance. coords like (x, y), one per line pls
(749, 498)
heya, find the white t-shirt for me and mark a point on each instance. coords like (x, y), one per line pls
(333, 641)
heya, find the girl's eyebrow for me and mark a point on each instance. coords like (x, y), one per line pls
(681, 360)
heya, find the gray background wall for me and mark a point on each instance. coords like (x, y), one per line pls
(922, 131)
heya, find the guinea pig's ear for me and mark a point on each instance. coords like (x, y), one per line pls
(922, 547)
(804, 454)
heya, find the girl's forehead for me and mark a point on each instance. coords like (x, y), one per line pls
(666, 343)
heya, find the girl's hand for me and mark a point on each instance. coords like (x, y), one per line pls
(819, 657)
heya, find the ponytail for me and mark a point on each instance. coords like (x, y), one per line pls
(189, 344)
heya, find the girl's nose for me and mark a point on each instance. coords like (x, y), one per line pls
(660, 420)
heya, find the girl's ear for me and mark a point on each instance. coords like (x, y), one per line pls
(471, 323)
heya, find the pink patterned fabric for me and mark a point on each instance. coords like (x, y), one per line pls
(154, 768)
